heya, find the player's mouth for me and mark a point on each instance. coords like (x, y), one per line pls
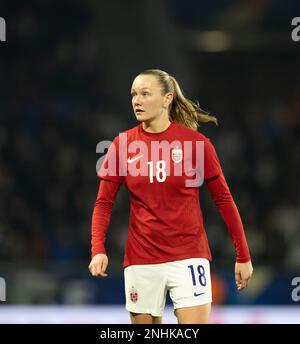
(139, 111)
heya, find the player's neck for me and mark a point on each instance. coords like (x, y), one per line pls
(156, 126)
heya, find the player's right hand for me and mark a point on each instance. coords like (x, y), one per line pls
(98, 265)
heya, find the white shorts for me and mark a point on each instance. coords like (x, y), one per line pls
(188, 282)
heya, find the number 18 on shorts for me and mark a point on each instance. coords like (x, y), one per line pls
(188, 282)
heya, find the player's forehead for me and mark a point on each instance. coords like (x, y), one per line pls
(144, 82)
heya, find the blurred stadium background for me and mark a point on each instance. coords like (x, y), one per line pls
(66, 71)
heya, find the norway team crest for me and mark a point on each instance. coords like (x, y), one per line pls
(177, 155)
(133, 295)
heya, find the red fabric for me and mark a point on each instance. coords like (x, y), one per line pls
(166, 221)
(221, 195)
(101, 215)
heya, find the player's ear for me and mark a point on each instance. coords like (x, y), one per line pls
(168, 99)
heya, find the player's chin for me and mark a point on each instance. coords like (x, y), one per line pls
(141, 117)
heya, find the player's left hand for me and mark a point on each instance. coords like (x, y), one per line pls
(243, 273)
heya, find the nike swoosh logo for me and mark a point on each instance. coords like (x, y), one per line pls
(134, 159)
(198, 294)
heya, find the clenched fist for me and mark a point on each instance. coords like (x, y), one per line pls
(243, 273)
(98, 265)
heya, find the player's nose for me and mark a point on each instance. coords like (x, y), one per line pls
(137, 101)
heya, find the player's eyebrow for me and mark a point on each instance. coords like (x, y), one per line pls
(143, 88)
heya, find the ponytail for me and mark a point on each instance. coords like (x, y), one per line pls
(182, 110)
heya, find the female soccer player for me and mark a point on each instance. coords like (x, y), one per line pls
(161, 162)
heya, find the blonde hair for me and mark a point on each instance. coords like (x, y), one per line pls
(182, 109)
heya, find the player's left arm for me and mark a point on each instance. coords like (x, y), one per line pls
(222, 197)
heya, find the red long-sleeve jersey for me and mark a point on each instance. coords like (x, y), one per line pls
(166, 222)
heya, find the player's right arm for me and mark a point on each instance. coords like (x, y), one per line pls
(100, 220)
